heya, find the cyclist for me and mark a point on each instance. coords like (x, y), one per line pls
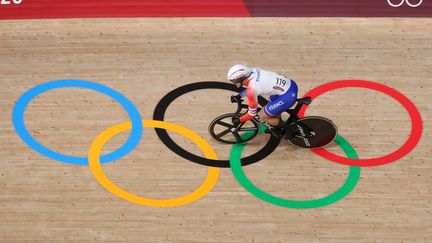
(281, 91)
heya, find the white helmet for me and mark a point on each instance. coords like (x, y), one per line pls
(238, 73)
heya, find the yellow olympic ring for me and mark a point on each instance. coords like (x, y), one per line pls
(96, 168)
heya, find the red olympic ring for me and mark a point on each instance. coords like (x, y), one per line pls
(411, 142)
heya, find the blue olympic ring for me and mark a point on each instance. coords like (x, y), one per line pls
(24, 100)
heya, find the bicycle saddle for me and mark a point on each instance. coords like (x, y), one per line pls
(305, 100)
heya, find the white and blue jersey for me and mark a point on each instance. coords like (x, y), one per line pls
(281, 91)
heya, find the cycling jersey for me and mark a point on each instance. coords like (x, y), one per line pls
(281, 90)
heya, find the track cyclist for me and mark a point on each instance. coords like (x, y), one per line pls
(256, 81)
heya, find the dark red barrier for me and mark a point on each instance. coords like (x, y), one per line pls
(34, 9)
(339, 8)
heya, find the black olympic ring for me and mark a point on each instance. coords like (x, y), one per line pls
(162, 106)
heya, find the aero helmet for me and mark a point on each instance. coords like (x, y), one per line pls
(238, 73)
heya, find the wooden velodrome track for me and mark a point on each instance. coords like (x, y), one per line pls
(44, 200)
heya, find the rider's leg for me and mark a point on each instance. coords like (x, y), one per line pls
(278, 129)
(277, 105)
(272, 120)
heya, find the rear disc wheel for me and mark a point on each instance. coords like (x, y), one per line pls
(314, 132)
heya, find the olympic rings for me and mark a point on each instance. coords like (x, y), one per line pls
(163, 104)
(96, 168)
(410, 144)
(402, 2)
(24, 100)
(347, 187)
(236, 162)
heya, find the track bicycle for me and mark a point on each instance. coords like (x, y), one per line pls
(305, 132)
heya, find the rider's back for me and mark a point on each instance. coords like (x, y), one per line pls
(268, 83)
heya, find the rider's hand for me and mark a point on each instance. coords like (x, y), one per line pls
(236, 98)
(235, 121)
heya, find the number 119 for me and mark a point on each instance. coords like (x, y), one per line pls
(280, 82)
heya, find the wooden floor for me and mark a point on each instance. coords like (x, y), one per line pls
(44, 200)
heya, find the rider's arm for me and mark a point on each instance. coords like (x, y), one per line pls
(252, 105)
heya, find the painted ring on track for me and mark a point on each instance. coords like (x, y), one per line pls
(96, 168)
(162, 106)
(411, 142)
(344, 190)
(27, 97)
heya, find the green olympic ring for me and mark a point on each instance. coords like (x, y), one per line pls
(344, 190)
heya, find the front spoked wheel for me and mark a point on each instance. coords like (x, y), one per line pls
(222, 129)
(312, 132)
